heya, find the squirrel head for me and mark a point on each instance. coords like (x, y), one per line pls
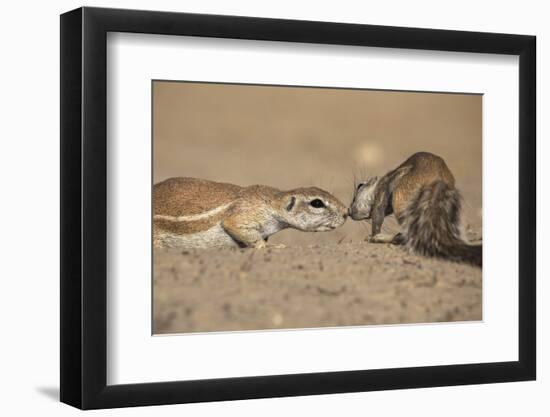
(363, 199)
(312, 210)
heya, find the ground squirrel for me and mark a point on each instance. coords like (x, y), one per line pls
(195, 213)
(421, 193)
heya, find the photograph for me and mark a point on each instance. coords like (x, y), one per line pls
(302, 207)
(281, 204)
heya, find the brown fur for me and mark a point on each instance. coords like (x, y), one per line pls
(421, 193)
(420, 169)
(431, 225)
(234, 215)
(176, 196)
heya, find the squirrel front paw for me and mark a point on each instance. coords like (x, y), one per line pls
(261, 244)
(381, 238)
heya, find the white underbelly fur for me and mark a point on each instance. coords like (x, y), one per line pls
(215, 237)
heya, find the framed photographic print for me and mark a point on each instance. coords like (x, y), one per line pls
(258, 208)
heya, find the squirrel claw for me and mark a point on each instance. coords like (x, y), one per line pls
(369, 239)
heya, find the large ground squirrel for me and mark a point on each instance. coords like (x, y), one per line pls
(195, 213)
(421, 193)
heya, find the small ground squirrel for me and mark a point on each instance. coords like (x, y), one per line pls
(421, 193)
(195, 213)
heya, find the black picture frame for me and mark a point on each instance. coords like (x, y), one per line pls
(84, 207)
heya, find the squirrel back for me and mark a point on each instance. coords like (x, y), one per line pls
(419, 170)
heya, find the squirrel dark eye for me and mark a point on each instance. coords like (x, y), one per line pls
(360, 185)
(317, 203)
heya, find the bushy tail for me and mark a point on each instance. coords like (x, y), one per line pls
(431, 225)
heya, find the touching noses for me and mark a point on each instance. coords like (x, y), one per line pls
(346, 214)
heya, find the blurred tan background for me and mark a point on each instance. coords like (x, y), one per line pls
(290, 137)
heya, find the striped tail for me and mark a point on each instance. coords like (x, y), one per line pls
(431, 225)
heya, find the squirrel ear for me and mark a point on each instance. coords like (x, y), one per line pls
(291, 203)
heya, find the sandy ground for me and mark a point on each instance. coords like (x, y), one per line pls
(303, 287)
(295, 137)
